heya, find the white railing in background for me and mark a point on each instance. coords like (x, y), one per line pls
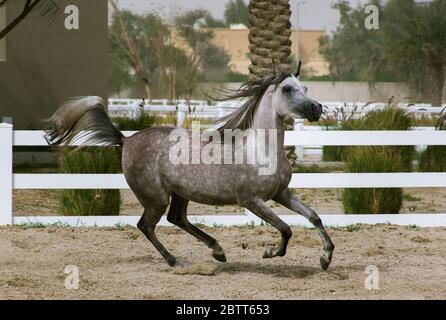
(180, 108)
(201, 109)
(420, 110)
(10, 181)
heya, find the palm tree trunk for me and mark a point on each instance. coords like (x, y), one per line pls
(439, 74)
(269, 35)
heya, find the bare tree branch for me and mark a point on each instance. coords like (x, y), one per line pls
(46, 8)
(132, 50)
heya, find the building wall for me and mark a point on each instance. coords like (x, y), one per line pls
(46, 64)
(236, 44)
(357, 91)
(312, 60)
(327, 91)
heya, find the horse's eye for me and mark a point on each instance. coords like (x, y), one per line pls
(287, 89)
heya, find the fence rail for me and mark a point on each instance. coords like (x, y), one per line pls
(317, 150)
(10, 181)
(298, 180)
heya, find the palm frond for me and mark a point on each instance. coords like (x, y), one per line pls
(48, 9)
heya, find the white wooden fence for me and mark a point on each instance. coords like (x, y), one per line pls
(10, 181)
(201, 109)
(317, 150)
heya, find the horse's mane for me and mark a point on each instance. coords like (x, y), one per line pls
(254, 90)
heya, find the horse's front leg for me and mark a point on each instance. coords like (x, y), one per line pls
(288, 199)
(259, 208)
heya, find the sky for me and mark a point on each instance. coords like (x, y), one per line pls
(314, 14)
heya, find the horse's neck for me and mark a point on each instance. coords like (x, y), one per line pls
(266, 118)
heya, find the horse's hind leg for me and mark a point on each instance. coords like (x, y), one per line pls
(147, 224)
(259, 208)
(178, 216)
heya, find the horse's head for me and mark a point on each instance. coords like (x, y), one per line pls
(290, 99)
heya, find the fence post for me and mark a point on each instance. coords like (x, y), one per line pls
(299, 150)
(5, 174)
(181, 114)
(252, 218)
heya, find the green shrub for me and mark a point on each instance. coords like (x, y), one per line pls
(378, 159)
(373, 200)
(433, 159)
(345, 122)
(90, 202)
(142, 121)
(147, 120)
(234, 76)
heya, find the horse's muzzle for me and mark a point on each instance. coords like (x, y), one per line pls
(314, 111)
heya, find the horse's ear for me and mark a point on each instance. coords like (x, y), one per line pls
(298, 69)
(275, 69)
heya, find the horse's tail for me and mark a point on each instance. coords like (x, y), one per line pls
(82, 117)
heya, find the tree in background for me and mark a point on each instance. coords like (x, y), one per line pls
(409, 46)
(415, 45)
(236, 12)
(206, 61)
(45, 8)
(166, 62)
(209, 21)
(119, 77)
(353, 51)
(138, 40)
(140, 53)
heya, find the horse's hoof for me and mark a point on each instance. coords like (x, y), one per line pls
(174, 263)
(325, 262)
(219, 256)
(269, 253)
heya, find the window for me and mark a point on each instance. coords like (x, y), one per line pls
(2, 41)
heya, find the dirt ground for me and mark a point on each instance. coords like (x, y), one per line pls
(119, 263)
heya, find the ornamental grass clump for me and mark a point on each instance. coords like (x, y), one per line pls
(84, 202)
(378, 159)
(433, 158)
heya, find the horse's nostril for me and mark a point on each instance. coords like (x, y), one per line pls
(316, 107)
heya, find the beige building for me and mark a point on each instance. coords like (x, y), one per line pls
(236, 44)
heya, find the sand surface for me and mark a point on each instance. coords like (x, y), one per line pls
(122, 264)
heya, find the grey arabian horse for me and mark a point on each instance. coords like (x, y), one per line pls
(157, 182)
